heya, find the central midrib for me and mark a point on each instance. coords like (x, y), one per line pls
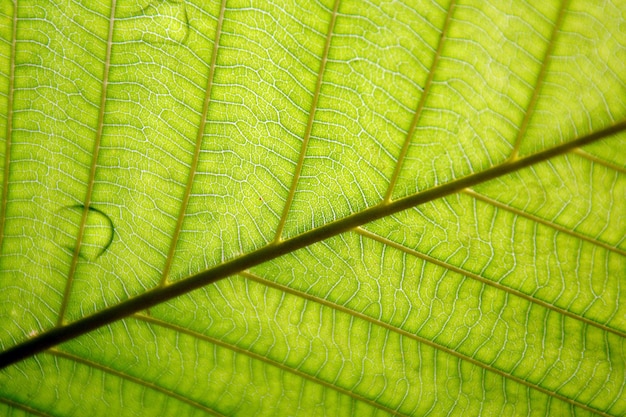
(271, 251)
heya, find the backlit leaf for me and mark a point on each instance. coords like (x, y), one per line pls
(331, 207)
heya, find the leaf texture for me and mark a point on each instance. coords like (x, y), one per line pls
(332, 207)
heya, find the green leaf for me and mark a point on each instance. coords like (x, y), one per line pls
(333, 207)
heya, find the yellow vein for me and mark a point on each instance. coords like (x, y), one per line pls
(486, 281)
(598, 161)
(155, 296)
(420, 106)
(196, 155)
(265, 360)
(521, 133)
(24, 407)
(309, 125)
(133, 379)
(92, 170)
(545, 222)
(418, 339)
(9, 129)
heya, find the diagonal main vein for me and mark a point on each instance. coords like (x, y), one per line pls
(196, 156)
(274, 250)
(309, 126)
(92, 170)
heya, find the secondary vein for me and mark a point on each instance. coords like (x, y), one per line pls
(521, 133)
(476, 277)
(420, 106)
(133, 379)
(92, 170)
(196, 156)
(422, 340)
(268, 361)
(545, 222)
(309, 125)
(599, 161)
(24, 407)
(9, 129)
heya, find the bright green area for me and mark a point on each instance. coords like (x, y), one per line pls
(506, 298)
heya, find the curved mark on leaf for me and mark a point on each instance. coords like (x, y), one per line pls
(98, 234)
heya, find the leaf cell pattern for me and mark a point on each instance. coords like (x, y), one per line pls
(330, 207)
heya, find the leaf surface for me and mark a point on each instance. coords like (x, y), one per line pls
(328, 207)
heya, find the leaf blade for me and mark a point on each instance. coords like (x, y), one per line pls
(246, 147)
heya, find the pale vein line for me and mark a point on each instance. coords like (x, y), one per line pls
(24, 407)
(598, 161)
(134, 380)
(309, 126)
(545, 222)
(521, 133)
(9, 129)
(418, 339)
(92, 171)
(196, 156)
(420, 106)
(265, 360)
(155, 296)
(468, 274)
